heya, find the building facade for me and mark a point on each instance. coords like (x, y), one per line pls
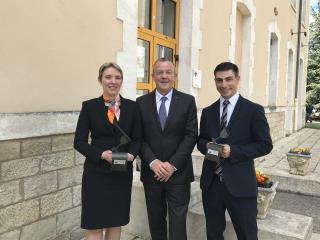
(50, 52)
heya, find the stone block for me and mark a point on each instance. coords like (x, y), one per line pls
(77, 234)
(69, 219)
(9, 193)
(9, 150)
(77, 195)
(62, 142)
(56, 202)
(18, 214)
(57, 160)
(40, 185)
(277, 225)
(70, 176)
(41, 230)
(19, 168)
(13, 235)
(63, 236)
(36, 146)
(79, 158)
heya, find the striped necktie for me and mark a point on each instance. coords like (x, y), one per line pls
(224, 115)
(223, 123)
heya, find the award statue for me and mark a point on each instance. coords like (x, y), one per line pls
(119, 159)
(214, 149)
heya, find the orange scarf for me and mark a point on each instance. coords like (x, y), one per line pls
(113, 111)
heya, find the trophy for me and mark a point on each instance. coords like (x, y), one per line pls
(119, 159)
(214, 149)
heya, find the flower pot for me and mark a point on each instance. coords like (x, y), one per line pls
(298, 163)
(265, 199)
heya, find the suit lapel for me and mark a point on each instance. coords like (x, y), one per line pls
(153, 109)
(172, 107)
(235, 112)
(216, 119)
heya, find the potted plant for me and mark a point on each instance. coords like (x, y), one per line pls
(299, 159)
(266, 193)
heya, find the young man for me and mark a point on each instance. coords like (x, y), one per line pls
(169, 120)
(231, 183)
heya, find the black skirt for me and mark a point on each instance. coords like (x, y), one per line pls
(106, 198)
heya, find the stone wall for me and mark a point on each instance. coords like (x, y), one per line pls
(276, 122)
(40, 189)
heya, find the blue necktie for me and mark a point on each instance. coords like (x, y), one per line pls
(163, 112)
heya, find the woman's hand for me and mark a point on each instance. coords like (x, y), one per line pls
(130, 157)
(107, 155)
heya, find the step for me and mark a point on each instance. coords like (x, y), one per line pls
(138, 224)
(278, 225)
(299, 204)
(315, 236)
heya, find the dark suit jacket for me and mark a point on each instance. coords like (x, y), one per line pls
(104, 136)
(175, 143)
(249, 138)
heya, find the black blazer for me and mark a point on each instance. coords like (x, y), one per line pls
(175, 143)
(93, 120)
(249, 138)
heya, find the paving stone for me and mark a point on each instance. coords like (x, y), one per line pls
(41, 230)
(9, 150)
(36, 146)
(40, 185)
(77, 234)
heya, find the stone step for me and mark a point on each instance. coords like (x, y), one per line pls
(278, 225)
(315, 236)
(299, 204)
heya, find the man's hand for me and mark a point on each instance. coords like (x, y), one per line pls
(107, 155)
(161, 170)
(225, 153)
(170, 169)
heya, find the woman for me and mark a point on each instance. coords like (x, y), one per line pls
(106, 193)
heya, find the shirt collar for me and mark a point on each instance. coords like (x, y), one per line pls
(159, 95)
(233, 100)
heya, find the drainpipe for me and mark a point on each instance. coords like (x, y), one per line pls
(298, 49)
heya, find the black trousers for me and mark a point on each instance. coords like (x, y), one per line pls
(242, 211)
(164, 197)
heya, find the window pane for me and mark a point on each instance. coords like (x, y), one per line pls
(141, 92)
(143, 57)
(144, 13)
(164, 52)
(166, 16)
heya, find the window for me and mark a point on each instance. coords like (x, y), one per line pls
(157, 37)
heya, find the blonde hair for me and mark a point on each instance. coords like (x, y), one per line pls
(109, 65)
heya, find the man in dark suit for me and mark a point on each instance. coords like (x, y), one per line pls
(230, 183)
(169, 120)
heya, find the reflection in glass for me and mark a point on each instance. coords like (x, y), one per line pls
(164, 52)
(141, 92)
(143, 61)
(166, 16)
(144, 13)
